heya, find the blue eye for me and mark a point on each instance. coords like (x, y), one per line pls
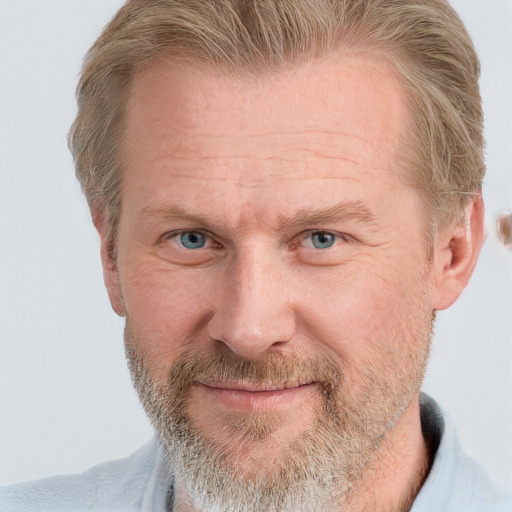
(322, 240)
(193, 240)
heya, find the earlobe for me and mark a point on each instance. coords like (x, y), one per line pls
(456, 252)
(110, 272)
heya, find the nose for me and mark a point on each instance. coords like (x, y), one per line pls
(253, 311)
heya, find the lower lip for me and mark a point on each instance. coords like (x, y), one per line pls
(255, 400)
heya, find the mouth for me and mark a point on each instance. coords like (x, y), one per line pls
(254, 396)
(252, 386)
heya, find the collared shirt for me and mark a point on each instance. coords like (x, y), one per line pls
(456, 482)
(142, 482)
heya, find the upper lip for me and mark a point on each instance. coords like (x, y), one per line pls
(245, 385)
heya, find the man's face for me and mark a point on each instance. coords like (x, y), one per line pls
(273, 268)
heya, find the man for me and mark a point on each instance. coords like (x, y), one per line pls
(286, 192)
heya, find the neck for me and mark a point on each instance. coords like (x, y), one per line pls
(399, 470)
(390, 484)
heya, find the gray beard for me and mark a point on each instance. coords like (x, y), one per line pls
(315, 471)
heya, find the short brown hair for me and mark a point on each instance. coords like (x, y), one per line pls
(424, 39)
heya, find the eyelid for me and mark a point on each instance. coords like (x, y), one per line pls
(174, 235)
(336, 234)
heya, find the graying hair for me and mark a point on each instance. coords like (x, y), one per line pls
(425, 40)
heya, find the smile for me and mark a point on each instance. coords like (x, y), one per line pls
(254, 396)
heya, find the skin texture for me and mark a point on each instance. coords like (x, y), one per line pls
(260, 167)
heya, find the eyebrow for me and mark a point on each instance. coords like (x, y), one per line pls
(175, 212)
(346, 210)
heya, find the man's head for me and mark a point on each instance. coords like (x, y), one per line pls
(268, 233)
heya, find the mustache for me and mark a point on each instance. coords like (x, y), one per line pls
(273, 368)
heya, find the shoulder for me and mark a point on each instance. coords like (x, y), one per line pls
(464, 486)
(472, 488)
(475, 489)
(116, 485)
(456, 482)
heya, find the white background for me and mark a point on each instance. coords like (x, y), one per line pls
(66, 401)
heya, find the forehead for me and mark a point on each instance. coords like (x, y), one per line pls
(332, 93)
(328, 121)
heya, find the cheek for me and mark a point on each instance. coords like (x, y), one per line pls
(166, 309)
(362, 312)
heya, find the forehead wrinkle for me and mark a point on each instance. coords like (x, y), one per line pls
(296, 166)
(279, 149)
(190, 141)
(279, 133)
(282, 159)
(280, 142)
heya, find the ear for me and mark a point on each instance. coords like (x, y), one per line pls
(108, 261)
(456, 252)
